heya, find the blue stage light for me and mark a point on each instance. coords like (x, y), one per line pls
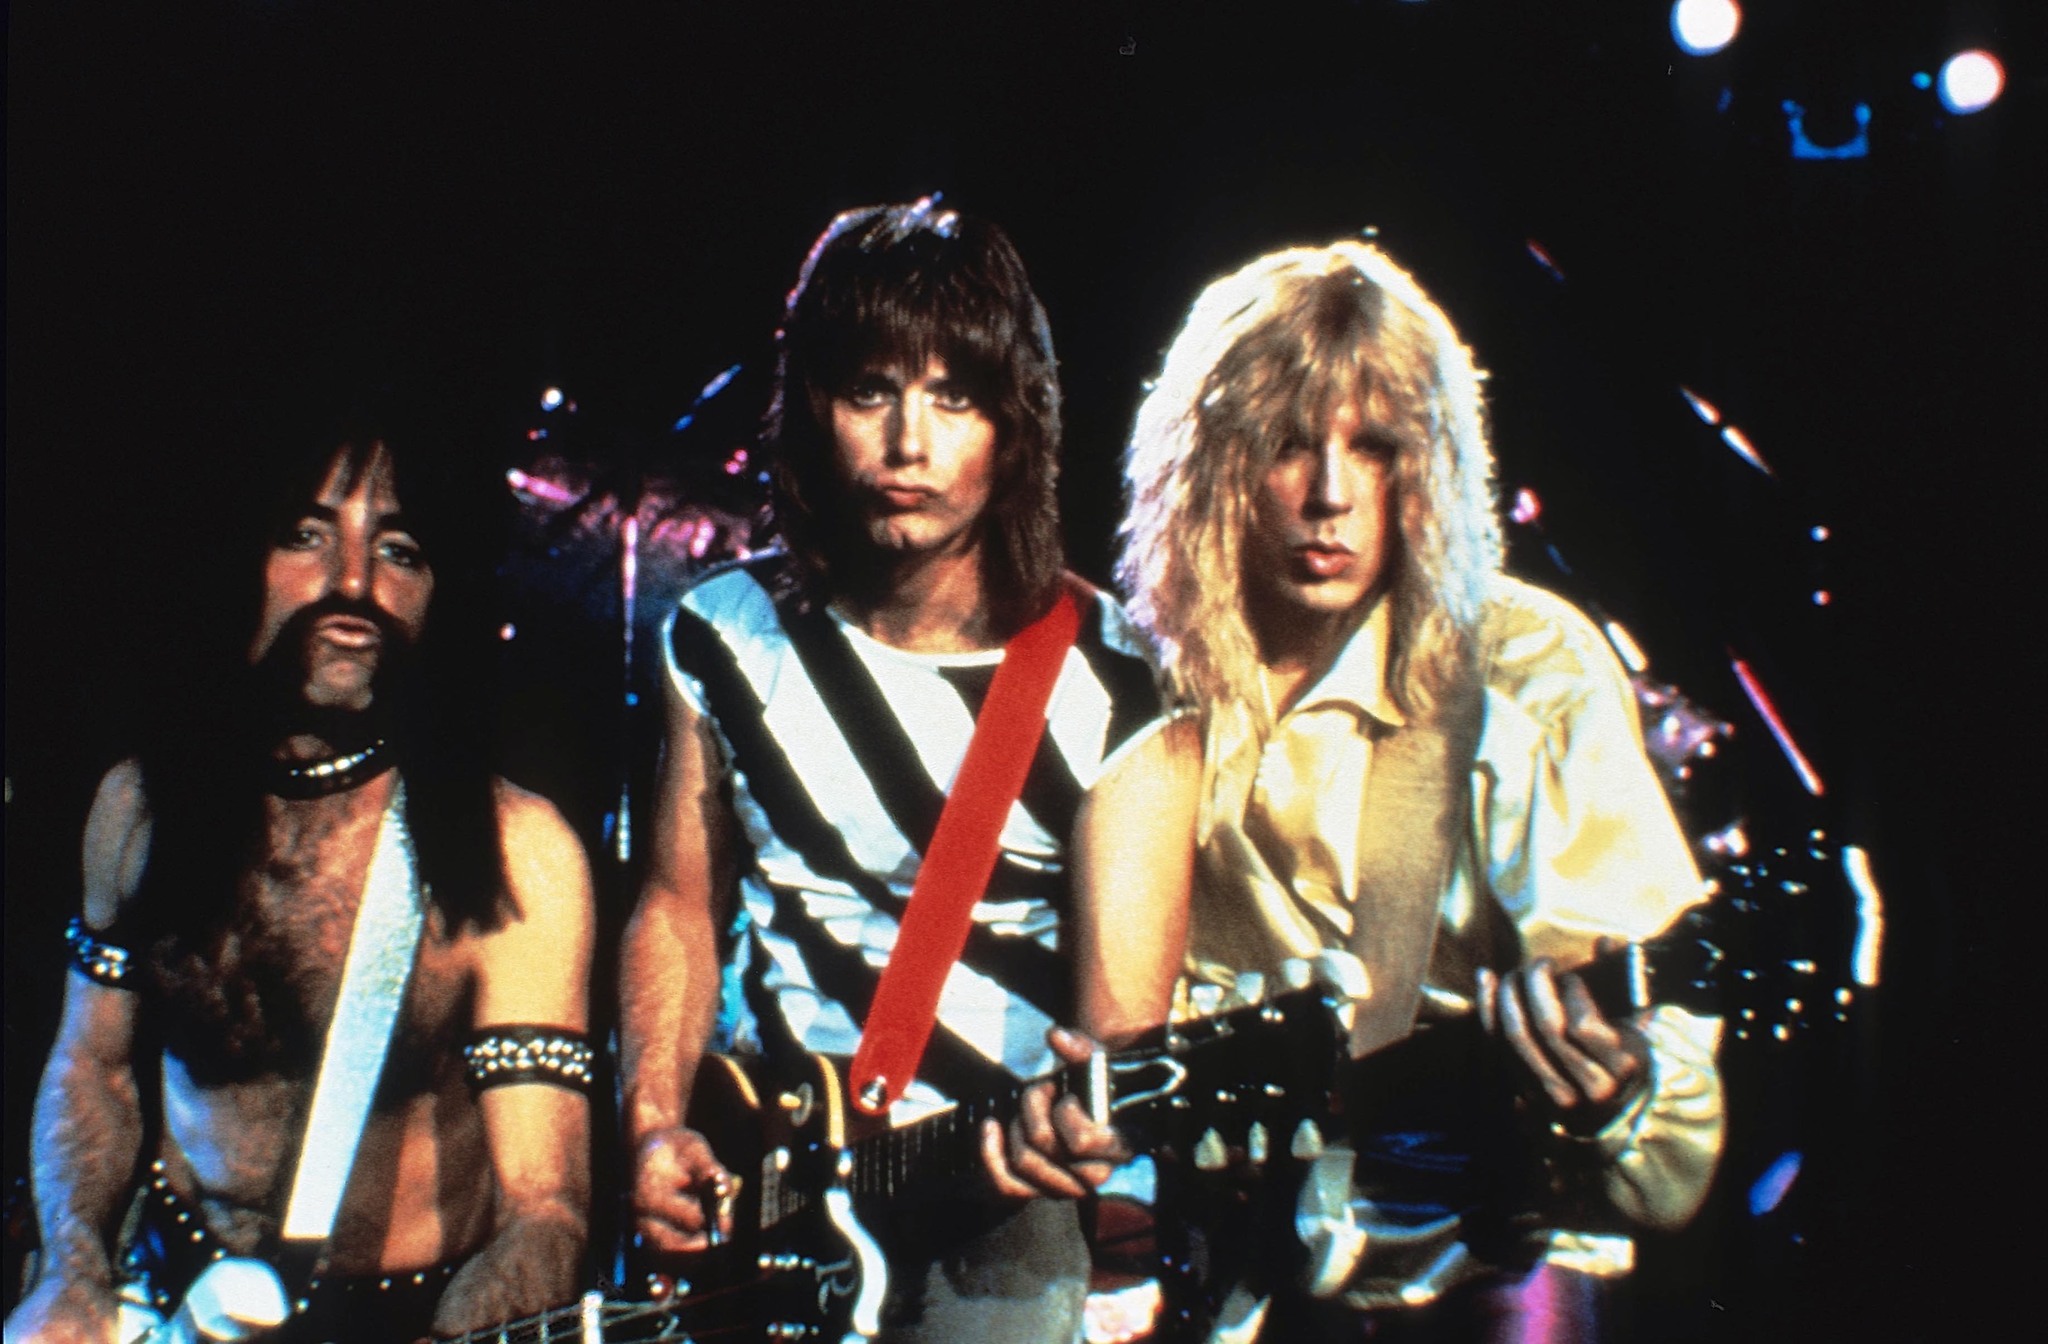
(1771, 1188)
(1703, 27)
(1971, 81)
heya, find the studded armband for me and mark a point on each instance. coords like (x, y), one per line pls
(99, 961)
(499, 1056)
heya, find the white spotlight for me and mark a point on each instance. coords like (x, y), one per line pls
(1703, 27)
(1971, 81)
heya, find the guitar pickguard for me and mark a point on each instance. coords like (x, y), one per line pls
(810, 1267)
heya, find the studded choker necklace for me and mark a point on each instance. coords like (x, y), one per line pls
(329, 774)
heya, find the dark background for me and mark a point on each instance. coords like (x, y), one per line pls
(217, 200)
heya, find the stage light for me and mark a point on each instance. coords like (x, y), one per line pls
(1744, 449)
(1701, 407)
(1768, 712)
(1625, 646)
(1971, 81)
(1869, 948)
(1703, 27)
(539, 487)
(551, 399)
(1776, 1182)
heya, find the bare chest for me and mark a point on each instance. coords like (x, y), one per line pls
(302, 900)
(254, 1001)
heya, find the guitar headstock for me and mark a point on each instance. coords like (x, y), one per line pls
(1247, 1079)
(1770, 952)
(1685, 966)
(1802, 941)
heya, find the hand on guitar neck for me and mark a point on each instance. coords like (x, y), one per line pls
(1588, 1064)
(1052, 1146)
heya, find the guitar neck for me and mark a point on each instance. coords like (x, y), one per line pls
(596, 1319)
(1679, 967)
(944, 1145)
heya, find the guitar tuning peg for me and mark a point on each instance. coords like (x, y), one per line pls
(1344, 973)
(1297, 973)
(1255, 1144)
(1210, 1154)
(1206, 999)
(1307, 1144)
(1250, 990)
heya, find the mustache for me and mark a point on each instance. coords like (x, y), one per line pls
(299, 627)
(284, 663)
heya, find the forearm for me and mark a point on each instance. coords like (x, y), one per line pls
(535, 1257)
(87, 1134)
(1133, 865)
(1118, 1009)
(669, 978)
(531, 1263)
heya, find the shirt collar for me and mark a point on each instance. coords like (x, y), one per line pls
(1358, 679)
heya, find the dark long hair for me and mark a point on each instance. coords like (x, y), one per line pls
(209, 722)
(903, 284)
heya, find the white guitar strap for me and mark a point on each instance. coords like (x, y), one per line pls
(373, 980)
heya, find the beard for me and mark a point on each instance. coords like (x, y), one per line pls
(283, 672)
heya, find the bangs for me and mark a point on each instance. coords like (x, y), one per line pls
(1284, 381)
(300, 474)
(904, 327)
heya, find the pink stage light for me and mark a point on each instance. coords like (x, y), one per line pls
(1761, 699)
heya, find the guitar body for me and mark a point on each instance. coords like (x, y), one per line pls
(809, 1164)
(799, 1259)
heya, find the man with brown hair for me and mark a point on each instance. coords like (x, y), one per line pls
(229, 869)
(821, 701)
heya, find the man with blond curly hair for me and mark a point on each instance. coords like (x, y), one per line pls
(1415, 760)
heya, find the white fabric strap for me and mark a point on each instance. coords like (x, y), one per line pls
(373, 980)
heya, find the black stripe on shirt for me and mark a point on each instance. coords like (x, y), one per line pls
(864, 715)
(841, 973)
(1133, 694)
(1051, 793)
(1039, 976)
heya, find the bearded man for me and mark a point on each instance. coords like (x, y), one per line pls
(230, 868)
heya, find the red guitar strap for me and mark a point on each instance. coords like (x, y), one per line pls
(961, 857)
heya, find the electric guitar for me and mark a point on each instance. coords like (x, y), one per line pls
(802, 1264)
(237, 1299)
(1443, 1168)
(813, 1172)
(1264, 1083)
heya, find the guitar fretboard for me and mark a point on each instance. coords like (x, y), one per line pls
(941, 1147)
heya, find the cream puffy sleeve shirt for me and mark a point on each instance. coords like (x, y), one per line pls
(1571, 838)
